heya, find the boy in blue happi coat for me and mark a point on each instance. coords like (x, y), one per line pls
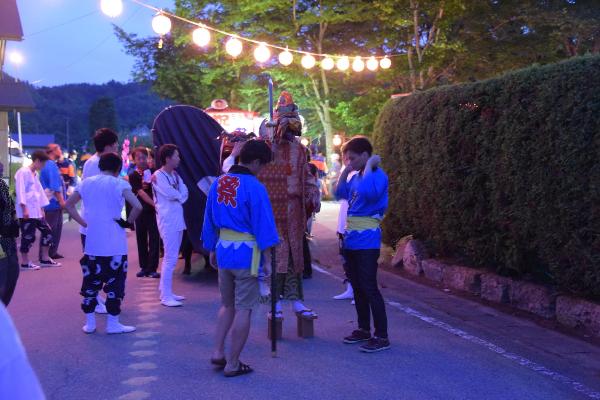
(238, 226)
(367, 196)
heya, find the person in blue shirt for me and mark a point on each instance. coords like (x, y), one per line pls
(367, 196)
(238, 226)
(54, 187)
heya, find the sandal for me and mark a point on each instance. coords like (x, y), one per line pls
(242, 369)
(307, 314)
(219, 362)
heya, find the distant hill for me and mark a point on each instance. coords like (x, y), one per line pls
(136, 106)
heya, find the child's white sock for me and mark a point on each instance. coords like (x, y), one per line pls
(90, 323)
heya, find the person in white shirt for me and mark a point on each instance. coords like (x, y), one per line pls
(169, 195)
(105, 141)
(106, 241)
(30, 200)
(18, 381)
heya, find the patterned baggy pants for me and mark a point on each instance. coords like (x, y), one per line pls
(108, 274)
(28, 227)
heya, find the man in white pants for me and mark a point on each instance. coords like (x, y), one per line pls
(169, 195)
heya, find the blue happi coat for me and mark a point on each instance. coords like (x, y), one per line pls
(239, 202)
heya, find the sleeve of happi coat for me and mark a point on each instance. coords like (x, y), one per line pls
(262, 218)
(210, 233)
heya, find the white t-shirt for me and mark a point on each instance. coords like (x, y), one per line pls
(17, 379)
(29, 192)
(169, 195)
(90, 168)
(103, 199)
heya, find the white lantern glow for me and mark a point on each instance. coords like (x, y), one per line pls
(262, 53)
(285, 58)
(327, 63)
(234, 47)
(358, 65)
(16, 58)
(372, 64)
(161, 24)
(385, 63)
(304, 142)
(343, 63)
(337, 140)
(308, 61)
(201, 37)
(112, 8)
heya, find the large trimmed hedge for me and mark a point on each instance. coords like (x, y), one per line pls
(502, 173)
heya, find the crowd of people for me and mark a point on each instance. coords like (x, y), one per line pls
(240, 231)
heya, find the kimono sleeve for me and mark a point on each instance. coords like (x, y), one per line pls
(262, 219)
(210, 231)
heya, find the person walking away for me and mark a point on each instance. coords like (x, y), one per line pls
(146, 229)
(30, 199)
(105, 141)
(341, 228)
(238, 226)
(9, 231)
(106, 241)
(169, 195)
(367, 196)
(54, 187)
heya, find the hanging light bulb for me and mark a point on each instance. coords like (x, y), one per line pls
(285, 57)
(343, 63)
(358, 65)
(327, 63)
(161, 24)
(308, 61)
(372, 64)
(337, 140)
(201, 36)
(234, 47)
(304, 142)
(262, 53)
(385, 63)
(112, 8)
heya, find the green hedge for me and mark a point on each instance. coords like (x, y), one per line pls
(502, 173)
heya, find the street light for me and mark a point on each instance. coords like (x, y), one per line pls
(337, 140)
(16, 58)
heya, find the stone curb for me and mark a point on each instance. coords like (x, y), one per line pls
(537, 299)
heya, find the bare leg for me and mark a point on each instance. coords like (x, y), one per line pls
(24, 258)
(224, 322)
(239, 335)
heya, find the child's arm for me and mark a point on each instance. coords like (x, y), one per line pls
(162, 186)
(342, 188)
(72, 210)
(182, 189)
(372, 185)
(134, 203)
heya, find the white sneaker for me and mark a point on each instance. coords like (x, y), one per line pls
(88, 329)
(100, 309)
(348, 293)
(171, 303)
(116, 328)
(31, 266)
(178, 297)
(50, 263)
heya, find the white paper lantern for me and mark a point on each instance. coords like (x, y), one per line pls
(201, 37)
(234, 47)
(385, 63)
(286, 58)
(372, 64)
(308, 61)
(161, 24)
(343, 63)
(358, 65)
(112, 8)
(327, 63)
(262, 53)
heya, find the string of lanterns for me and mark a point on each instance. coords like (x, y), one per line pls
(234, 46)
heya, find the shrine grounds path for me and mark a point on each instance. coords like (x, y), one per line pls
(443, 347)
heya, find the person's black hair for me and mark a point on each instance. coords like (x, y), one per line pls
(313, 169)
(140, 149)
(256, 150)
(166, 151)
(358, 145)
(39, 155)
(110, 162)
(104, 137)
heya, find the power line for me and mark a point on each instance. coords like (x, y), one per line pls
(62, 24)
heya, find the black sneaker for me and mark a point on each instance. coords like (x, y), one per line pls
(57, 256)
(50, 263)
(375, 344)
(357, 336)
(30, 266)
(154, 275)
(141, 274)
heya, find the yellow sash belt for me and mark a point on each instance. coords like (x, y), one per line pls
(230, 235)
(361, 224)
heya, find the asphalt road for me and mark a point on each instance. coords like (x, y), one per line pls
(443, 347)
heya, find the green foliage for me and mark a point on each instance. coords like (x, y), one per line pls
(102, 114)
(502, 173)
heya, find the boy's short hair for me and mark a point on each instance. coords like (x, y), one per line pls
(166, 151)
(110, 162)
(256, 150)
(140, 149)
(104, 137)
(39, 155)
(358, 145)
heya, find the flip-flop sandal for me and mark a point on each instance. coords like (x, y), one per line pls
(219, 362)
(307, 314)
(242, 369)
